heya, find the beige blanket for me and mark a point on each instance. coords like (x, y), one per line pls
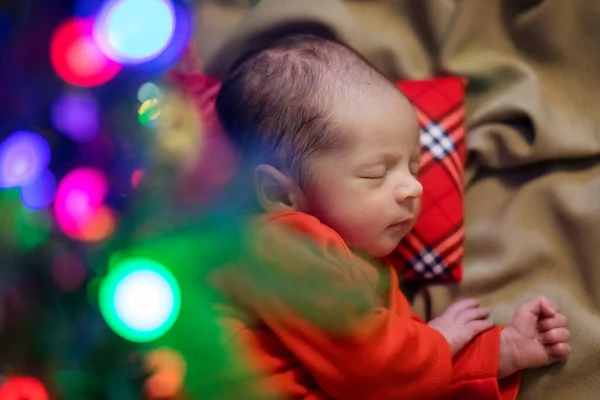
(533, 184)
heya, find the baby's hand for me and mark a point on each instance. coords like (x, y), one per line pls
(536, 336)
(462, 322)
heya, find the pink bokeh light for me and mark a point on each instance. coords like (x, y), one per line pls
(79, 205)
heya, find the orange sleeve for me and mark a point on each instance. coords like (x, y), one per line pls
(475, 371)
(385, 357)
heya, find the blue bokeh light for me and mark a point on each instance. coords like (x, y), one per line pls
(24, 156)
(179, 43)
(134, 31)
(39, 193)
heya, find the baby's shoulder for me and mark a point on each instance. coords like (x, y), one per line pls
(306, 225)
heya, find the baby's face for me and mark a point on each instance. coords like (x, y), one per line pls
(368, 191)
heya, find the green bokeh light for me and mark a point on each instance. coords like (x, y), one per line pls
(149, 112)
(140, 299)
(20, 227)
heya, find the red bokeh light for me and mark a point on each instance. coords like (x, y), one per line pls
(20, 388)
(76, 57)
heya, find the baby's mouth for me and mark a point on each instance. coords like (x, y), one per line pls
(400, 224)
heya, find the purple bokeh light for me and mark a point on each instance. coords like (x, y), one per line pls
(77, 116)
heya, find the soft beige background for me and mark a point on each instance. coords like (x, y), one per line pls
(533, 183)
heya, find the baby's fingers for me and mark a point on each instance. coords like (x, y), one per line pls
(559, 320)
(473, 314)
(556, 335)
(559, 351)
(461, 305)
(477, 326)
(548, 308)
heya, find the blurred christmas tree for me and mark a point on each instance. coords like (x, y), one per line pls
(103, 254)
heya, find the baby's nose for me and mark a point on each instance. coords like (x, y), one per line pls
(410, 190)
(417, 189)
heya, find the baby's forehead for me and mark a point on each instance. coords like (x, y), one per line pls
(371, 104)
(375, 119)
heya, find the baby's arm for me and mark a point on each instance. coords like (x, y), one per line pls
(536, 336)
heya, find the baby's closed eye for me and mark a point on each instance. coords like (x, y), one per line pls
(376, 173)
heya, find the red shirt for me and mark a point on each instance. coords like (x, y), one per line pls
(378, 352)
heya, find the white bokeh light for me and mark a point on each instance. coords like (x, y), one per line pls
(144, 300)
(149, 91)
(134, 31)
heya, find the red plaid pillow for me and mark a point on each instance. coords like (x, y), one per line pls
(433, 250)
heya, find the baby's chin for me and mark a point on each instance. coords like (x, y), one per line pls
(379, 247)
(382, 249)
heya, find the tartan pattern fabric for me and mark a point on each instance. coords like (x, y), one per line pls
(433, 250)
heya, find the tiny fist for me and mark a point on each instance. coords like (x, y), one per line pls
(537, 336)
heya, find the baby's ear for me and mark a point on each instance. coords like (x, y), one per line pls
(275, 190)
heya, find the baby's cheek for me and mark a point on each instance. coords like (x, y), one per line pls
(357, 217)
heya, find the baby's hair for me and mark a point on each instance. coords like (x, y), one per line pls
(276, 101)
